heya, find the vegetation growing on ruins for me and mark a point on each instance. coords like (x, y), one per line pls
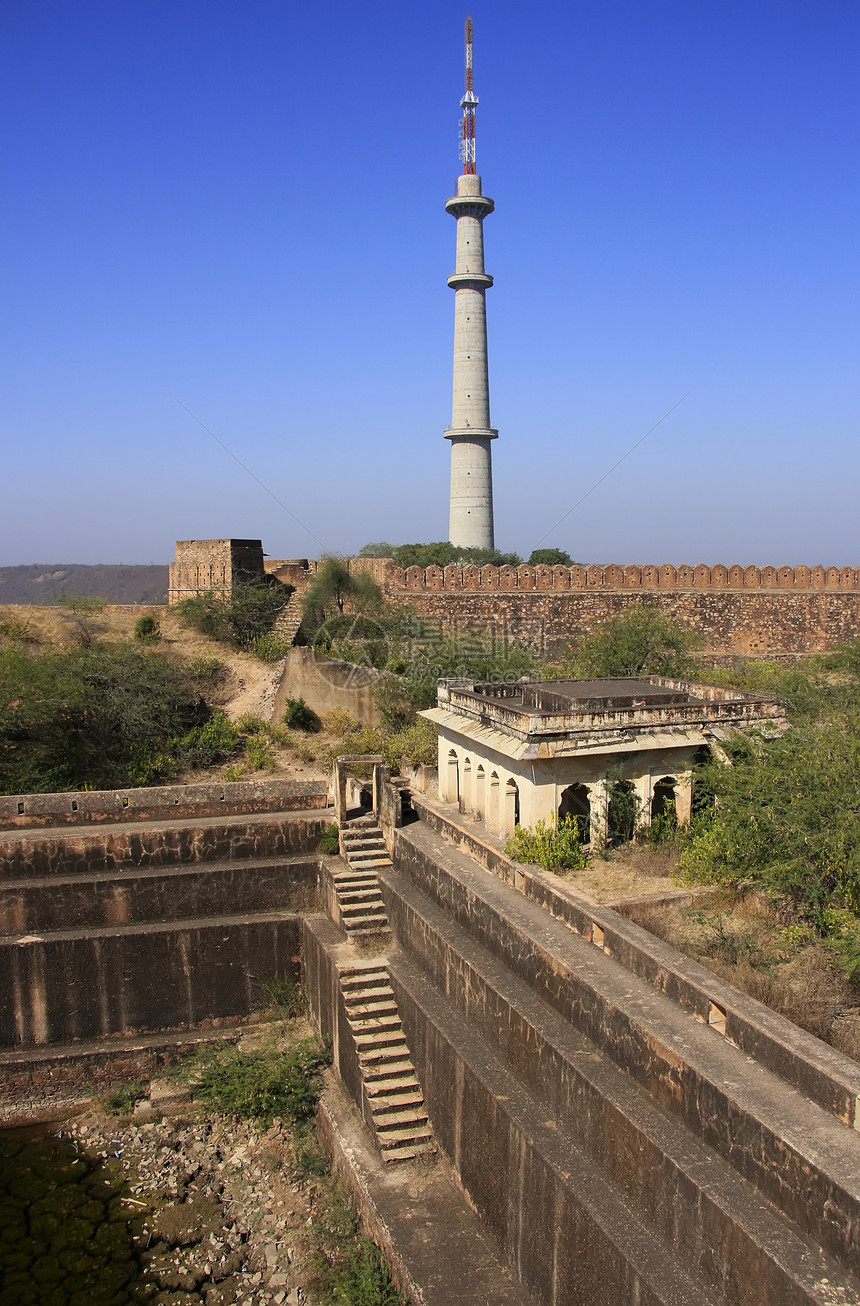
(552, 847)
(246, 615)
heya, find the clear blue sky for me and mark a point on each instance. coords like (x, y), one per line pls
(244, 202)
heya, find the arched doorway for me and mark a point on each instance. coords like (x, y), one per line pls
(622, 814)
(512, 806)
(453, 786)
(575, 804)
(664, 811)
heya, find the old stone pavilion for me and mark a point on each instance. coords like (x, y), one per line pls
(543, 750)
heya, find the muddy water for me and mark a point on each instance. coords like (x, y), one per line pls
(66, 1226)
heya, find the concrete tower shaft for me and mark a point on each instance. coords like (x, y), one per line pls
(470, 433)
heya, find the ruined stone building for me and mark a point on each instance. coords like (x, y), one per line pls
(532, 751)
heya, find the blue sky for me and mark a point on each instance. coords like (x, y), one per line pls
(243, 203)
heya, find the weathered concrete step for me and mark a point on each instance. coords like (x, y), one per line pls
(378, 1039)
(156, 894)
(382, 1024)
(789, 1149)
(353, 979)
(374, 1058)
(368, 863)
(369, 907)
(398, 1137)
(404, 1101)
(377, 934)
(68, 851)
(392, 1118)
(366, 924)
(573, 1112)
(357, 895)
(369, 840)
(385, 1070)
(411, 1151)
(377, 1085)
(86, 984)
(350, 882)
(378, 994)
(370, 1010)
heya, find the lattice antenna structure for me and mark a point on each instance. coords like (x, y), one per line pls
(468, 104)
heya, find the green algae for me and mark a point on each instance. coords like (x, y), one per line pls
(66, 1238)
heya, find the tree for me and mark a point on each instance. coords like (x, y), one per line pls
(377, 549)
(250, 610)
(550, 558)
(641, 641)
(334, 585)
(442, 553)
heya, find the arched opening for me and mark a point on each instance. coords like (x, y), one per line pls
(493, 803)
(512, 806)
(664, 810)
(622, 814)
(480, 793)
(663, 806)
(575, 804)
(466, 786)
(453, 786)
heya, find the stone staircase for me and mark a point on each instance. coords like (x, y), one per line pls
(392, 1093)
(359, 899)
(289, 619)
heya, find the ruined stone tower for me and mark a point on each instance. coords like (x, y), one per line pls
(470, 433)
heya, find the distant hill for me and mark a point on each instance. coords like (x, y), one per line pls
(44, 582)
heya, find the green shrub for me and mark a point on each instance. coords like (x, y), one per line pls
(265, 1083)
(270, 646)
(103, 716)
(298, 716)
(329, 841)
(622, 816)
(122, 1098)
(214, 741)
(15, 629)
(549, 846)
(246, 614)
(147, 630)
(641, 641)
(258, 753)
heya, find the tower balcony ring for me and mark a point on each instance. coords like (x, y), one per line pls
(470, 281)
(473, 434)
(469, 206)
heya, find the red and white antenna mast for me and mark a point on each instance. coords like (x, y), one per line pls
(468, 104)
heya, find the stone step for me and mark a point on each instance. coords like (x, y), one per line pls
(369, 905)
(366, 924)
(381, 1072)
(619, 1126)
(393, 1118)
(381, 1038)
(380, 1024)
(357, 895)
(411, 1151)
(407, 1100)
(380, 1085)
(408, 1134)
(350, 979)
(154, 894)
(391, 1057)
(370, 839)
(370, 1010)
(367, 994)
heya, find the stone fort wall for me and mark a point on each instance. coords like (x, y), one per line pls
(738, 611)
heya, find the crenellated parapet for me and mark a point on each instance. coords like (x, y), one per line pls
(614, 576)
